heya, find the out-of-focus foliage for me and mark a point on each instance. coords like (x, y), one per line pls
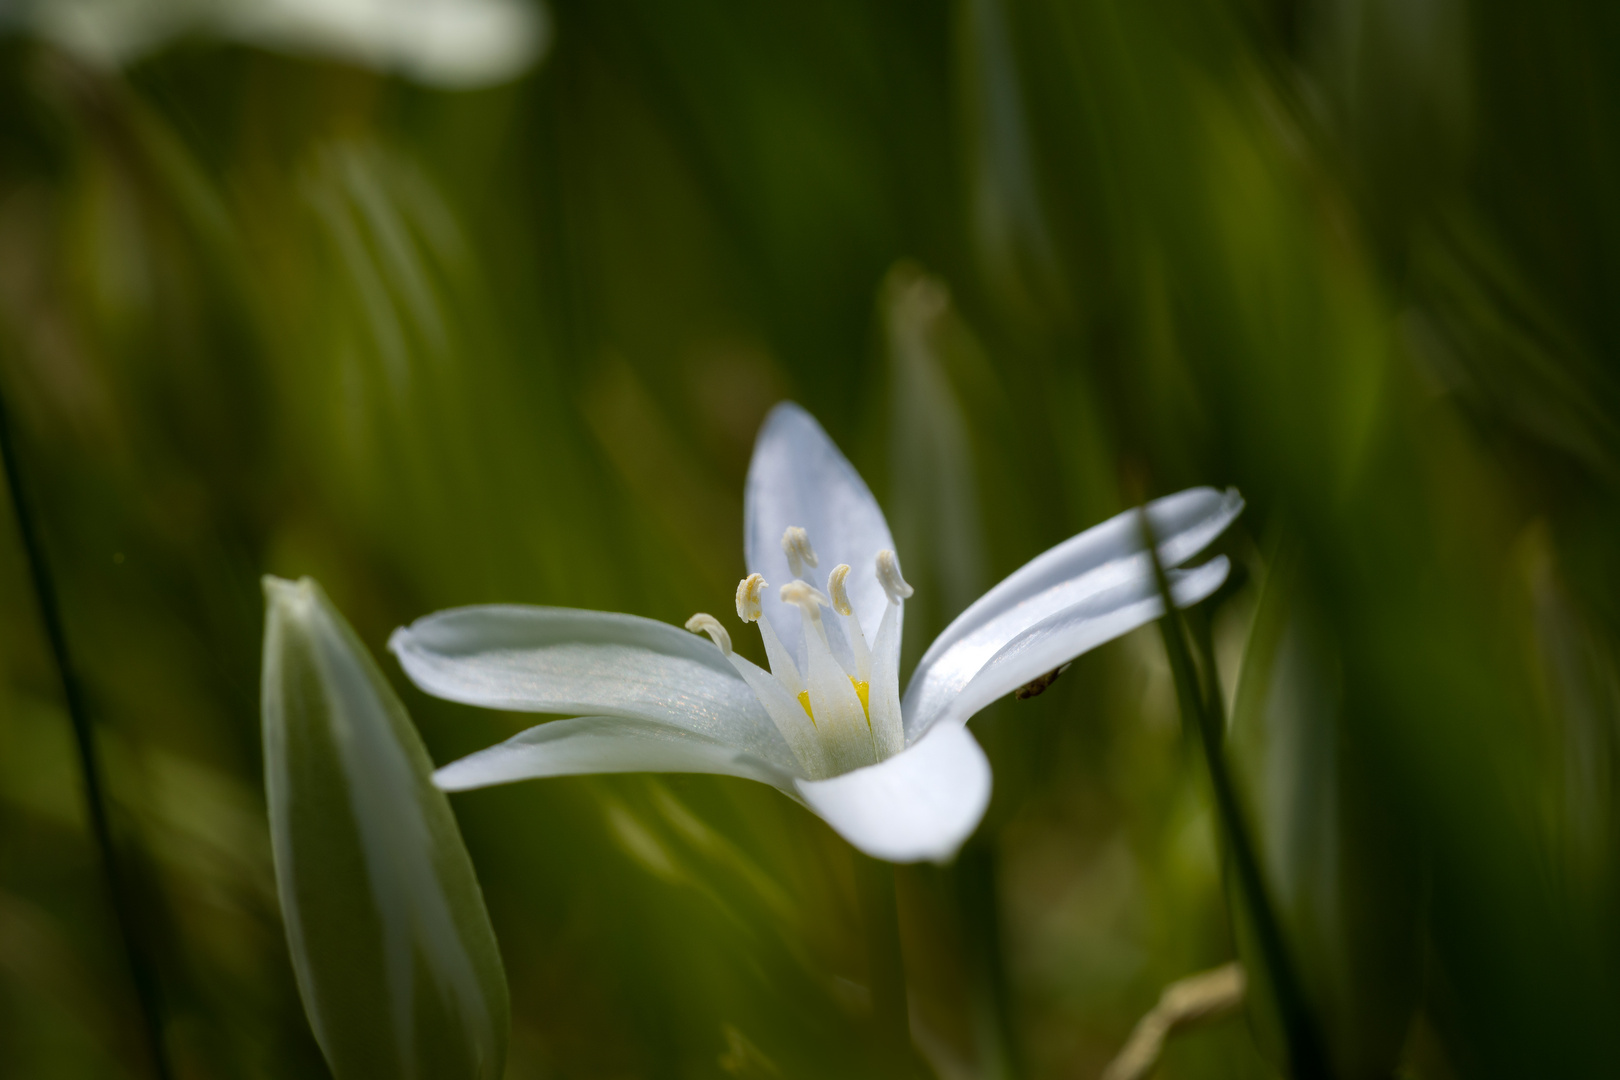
(1028, 261)
(1339, 866)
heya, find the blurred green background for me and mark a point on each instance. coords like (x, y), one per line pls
(444, 317)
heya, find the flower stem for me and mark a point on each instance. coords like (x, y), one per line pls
(885, 964)
(140, 967)
(1204, 711)
(980, 906)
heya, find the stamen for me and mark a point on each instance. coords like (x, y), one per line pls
(835, 587)
(782, 665)
(796, 546)
(748, 589)
(888, 574)
(708, 624)
(807, 598)
(852, 625)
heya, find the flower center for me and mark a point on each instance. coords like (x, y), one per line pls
(838, 702)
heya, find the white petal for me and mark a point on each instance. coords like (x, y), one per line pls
(920, 804)
(798, 477)
(1061, 637)
(1099, 560)
(604, 744)
(559, 660)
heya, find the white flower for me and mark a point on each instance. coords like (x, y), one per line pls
(901, 779)
(456, 44)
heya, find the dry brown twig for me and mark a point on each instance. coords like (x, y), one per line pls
(1197, 998)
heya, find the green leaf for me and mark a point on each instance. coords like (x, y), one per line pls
(390, 941)
(1338, 859)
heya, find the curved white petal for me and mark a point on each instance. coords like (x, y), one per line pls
(798, 477)
(920, 804)
(559, 660)
(604, 744)
(1061, 637)
(1094, 563)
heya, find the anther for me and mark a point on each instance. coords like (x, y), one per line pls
(708, 624)
(888, 574)
(807, 598)
(748, 589)
(835, 588)
(796, 546)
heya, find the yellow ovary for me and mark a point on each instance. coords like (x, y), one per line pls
(804, 699)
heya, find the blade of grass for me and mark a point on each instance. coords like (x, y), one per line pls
(1203, 710)
(141, 969)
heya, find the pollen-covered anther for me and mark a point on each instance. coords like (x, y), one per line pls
(888, 575)
(708, 624)
(807, 598)
(835, 588)
(748, 590)
(796, 546)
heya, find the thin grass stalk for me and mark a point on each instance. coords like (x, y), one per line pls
(142, 972)
(885, 965)
(1202, 709)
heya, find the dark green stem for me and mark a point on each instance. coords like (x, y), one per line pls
(885, 965)
(1202, 708)
(141, 970)
(980, 906)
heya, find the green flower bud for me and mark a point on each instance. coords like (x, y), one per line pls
(392, 947)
